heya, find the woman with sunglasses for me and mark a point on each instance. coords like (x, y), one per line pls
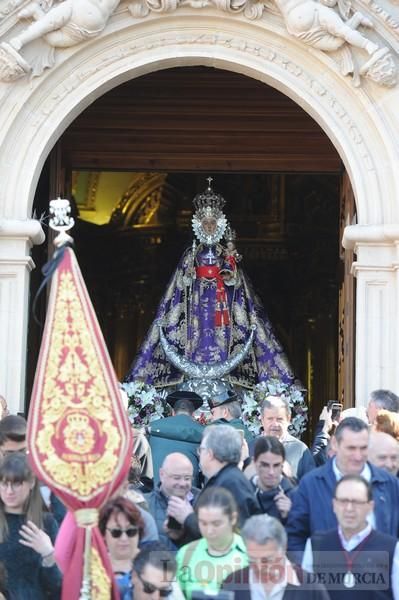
(121, 525)
(27, 534)
(204, 564)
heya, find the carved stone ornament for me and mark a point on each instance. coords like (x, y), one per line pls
(330, 26)
(380, 68)
(59, 25)
(251, 10)
(12, 65)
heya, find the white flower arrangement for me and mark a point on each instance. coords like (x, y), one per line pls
(147, 404)
(252, 401)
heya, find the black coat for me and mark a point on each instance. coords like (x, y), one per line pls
(231, 478)
(157, 506)
(238, 582)
(266, 499)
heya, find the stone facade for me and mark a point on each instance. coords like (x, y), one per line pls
(341, 68)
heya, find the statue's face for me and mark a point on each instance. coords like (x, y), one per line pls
(209, 225)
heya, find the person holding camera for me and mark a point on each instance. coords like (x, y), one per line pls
(272, 488)
(312, 502)
(176, 478)
(325, 427)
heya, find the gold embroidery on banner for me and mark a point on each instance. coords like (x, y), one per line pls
(77, 434)
(100, 581)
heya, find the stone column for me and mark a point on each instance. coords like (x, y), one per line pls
(16, 240)
(376, 268)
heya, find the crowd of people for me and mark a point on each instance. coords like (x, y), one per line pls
(211, 511)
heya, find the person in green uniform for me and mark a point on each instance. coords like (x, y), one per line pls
(225, 409)
(178, 433)
(203, 564)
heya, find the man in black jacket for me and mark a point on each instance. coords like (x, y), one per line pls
(272, 488)
(219, 455)
(270, 574)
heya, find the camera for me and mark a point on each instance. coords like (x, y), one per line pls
(173, 524)
(205, 595)
(335, 408)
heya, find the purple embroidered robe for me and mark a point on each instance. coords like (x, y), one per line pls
(187, 312)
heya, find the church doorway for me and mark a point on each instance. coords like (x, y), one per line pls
(134, 161)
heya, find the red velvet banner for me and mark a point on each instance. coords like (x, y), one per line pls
(79, 436)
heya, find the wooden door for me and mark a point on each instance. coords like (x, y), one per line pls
(347, 308)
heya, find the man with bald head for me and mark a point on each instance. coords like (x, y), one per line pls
(384, 452)
(176, 478)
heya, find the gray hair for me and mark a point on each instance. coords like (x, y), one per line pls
(385, 399)
(224, 441)
(276, 402)
(234, 409)
(262, 529)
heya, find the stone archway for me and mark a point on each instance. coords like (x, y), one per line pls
(35, 114)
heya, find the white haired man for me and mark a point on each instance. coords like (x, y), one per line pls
(276, 417)
(381, 400)
(270, 574)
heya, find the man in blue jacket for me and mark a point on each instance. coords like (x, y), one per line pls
(312, 502)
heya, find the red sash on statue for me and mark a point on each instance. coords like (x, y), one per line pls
(221, 311)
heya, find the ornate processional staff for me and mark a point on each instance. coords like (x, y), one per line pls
(79, 437)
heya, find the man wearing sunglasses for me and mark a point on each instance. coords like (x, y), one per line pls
(154, 570)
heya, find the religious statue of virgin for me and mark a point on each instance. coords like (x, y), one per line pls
(210, 323)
